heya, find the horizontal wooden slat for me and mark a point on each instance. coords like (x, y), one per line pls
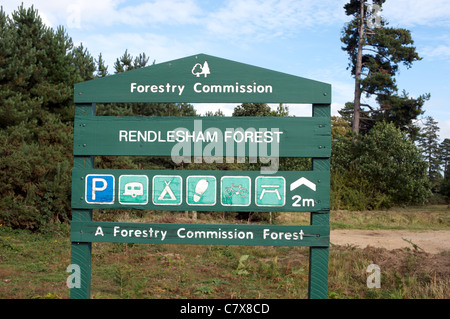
(203, 136)
(222, 81)
(201, 234)
(285, 191)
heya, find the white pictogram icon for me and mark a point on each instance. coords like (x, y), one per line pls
(200, 188)
(134, 189)
(303, 181)
(167, 190)
(199, 69)
(270, 189)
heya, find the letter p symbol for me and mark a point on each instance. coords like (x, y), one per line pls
(99, 189)
(95, 186)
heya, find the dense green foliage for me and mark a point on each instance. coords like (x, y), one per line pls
(377, 170)
(38, 68)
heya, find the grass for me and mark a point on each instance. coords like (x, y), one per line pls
(34, 265)
(434, 217)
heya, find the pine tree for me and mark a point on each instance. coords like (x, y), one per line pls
(445, 158)
(216, 113)
(38, 69)
(84, 63)
(102, 69)
(445, 154)
(375, 54)
(429, 143)
(445, 185)
(253, 109)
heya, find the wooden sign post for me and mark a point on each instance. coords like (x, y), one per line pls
(202, 79)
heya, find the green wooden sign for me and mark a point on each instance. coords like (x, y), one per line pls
(203, 136)
(201, 234)
(179, 190)
(201, 79)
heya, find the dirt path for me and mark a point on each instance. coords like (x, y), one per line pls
(432, 242)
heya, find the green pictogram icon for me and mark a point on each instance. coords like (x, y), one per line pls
(270, 191)
(201, 190)
(133, 189)
(167, 190)
(235, 190)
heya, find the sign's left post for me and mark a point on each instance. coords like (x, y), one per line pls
(80, 286)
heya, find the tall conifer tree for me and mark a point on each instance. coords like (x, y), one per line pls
(38, 69)
(429, 143)
(375, 53)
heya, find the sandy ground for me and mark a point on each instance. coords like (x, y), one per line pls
(433, 242)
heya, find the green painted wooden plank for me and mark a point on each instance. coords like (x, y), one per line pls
(81, 257)
(318, 275)
(285, 191)
(318, 257)
(81, 252)
(203, 136)
(318, 263)
(201, 234)
(190, 80)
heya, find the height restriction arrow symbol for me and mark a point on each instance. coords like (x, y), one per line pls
(303, 181)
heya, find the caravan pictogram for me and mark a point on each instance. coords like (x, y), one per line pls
(133, 189)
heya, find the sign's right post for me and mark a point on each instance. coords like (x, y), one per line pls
(318, 256)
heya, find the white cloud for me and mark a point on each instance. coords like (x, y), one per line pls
(158, 47)
(169, 12)
(441, 51)
(70, 13)
(272, 18)
(84, 14)
(231, 18)
(407, 13)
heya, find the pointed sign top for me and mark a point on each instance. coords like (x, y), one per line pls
(203, 78)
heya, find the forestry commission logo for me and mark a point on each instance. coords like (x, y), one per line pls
(200, 69)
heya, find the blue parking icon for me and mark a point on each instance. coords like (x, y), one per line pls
(100, 189)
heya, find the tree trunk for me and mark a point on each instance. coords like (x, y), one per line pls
(357, 101)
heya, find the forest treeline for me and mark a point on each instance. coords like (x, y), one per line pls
(381, 166)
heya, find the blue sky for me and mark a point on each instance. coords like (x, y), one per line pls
(299, 37)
